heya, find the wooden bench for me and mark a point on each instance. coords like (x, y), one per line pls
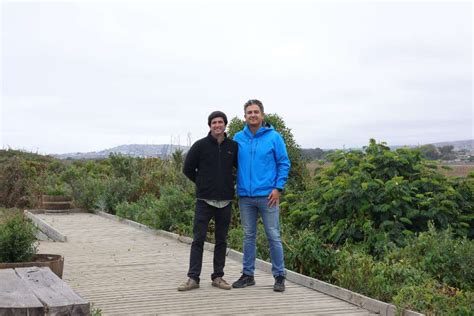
(38, 291)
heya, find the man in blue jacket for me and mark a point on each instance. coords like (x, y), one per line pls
(210, 164)
(261, 176)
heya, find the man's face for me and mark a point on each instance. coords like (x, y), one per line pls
(217, 126)
(253, 116)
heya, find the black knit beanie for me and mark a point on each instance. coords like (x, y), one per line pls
(215, 114)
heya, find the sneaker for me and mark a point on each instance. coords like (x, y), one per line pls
(221, 283)
(188, 285)
(245, 280)
(279, 285)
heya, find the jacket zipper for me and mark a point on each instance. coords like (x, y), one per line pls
(219, 158)
(251, 164)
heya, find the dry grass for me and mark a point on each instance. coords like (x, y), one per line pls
(456, 170)
(8, 212)
(451, 171)
(313, 165)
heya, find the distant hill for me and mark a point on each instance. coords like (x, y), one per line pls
(134, 150)
(165, 150)
(318, 153)
(458, 145)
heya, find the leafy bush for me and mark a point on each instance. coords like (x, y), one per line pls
(306, 253)
(117, 190)
(380, 197)
(88, 192)
(141, 211)
(432, 298)
(448, 260)
(176, 206)
(358, 271)
(174, 210)
(17, 239)
(20, 178)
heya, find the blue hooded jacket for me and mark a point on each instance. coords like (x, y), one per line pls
(263, 163)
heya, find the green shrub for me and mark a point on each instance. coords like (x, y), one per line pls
(20, 180)
(173, 211)
(58, 190)
(17, 239)
(445, 258)
(432, 298)
(175, 208)
(235, 238)
(141, 211)
(306, 253)
(379, 197)
(117, 190)
(88, 192)
(359, 272)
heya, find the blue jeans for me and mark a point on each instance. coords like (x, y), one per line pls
(250, 207)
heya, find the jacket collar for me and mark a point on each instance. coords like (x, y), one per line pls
(213, 140)
(263, 129)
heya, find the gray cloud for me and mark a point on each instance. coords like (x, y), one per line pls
(81, 77)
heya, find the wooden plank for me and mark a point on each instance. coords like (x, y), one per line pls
(53, 292)
(46, 229)
(133, 270)
(15, 296)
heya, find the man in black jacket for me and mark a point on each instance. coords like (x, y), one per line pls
(209, 164)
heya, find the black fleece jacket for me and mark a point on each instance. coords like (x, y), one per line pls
(210, 166)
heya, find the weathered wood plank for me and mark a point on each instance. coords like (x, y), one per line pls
(15, 296)
(126, 271)
(59, 298)
(46, 229)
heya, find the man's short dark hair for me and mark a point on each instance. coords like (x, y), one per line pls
(253, 102)
(215, 114)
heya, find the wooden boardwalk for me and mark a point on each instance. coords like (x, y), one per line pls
(125, 271)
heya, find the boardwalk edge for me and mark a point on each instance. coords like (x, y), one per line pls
(357, 299)
(45, 228)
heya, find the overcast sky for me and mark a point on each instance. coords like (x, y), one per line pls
(87, 76)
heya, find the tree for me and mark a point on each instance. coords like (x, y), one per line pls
(430, 152)
(298, 171)
(447, 152)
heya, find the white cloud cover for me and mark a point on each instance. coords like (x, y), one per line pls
(87, 76)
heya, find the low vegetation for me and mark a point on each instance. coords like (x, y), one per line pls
(17, 237)
(387, 224)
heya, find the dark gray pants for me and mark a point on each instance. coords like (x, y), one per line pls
(203, 214)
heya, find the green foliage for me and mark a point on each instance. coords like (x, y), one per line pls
(380, 197)
(306, 253)
(17, 239)
(448, 260)
(172, 212)
(57, 190)
(20, 178)
(313, 154)
(430, 152)
(235, 238)
(178, 159)
(433, 298)
(358, 271)
(298, 171)
(361, 223)
(124, 166)
(140, 211)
